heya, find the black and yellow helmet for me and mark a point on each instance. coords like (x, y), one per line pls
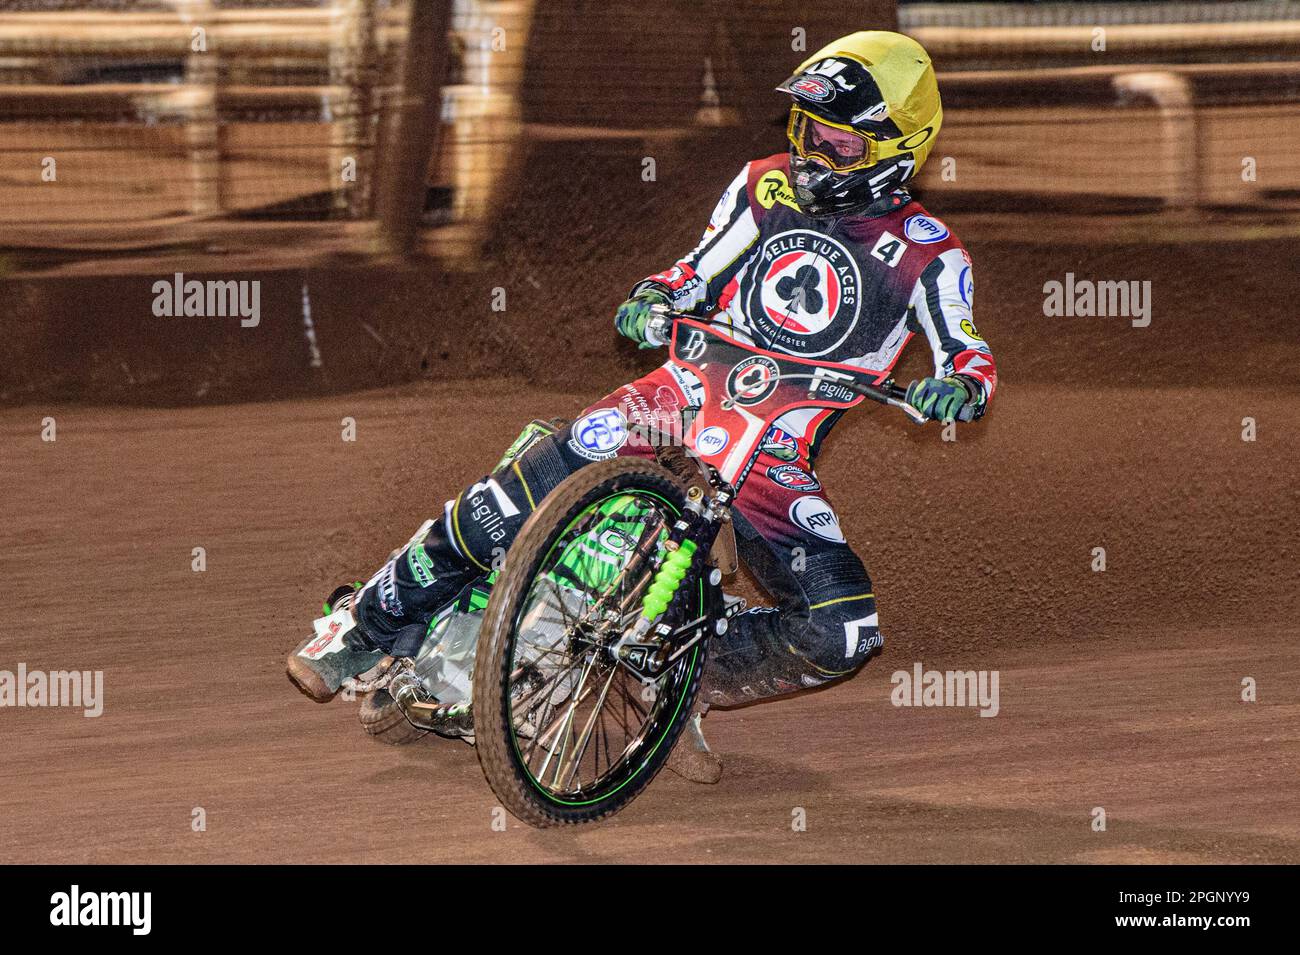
(865, 116)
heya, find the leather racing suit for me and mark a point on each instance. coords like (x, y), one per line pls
(850, 288)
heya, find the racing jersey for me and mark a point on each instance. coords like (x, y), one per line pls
(850, 289)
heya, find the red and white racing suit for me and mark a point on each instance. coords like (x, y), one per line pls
(849, 289)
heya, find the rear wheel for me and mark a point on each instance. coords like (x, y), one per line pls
(565, 733)
(383, 719)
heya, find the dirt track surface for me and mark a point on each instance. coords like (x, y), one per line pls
(1119, 690)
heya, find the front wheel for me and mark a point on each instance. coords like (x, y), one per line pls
(565, 733)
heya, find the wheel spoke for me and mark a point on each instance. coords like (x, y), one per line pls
(580, 748)
(567, 721)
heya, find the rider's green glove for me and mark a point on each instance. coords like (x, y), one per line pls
(633, 315)
(943, 399)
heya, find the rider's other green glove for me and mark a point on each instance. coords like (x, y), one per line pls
(632, 316)
(941, 399)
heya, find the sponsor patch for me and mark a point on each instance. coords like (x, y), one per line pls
(712, 441)
(968, 327)
(831, 386)
(720, 212)
(489, 508)
(386, 586)
(681, 281)
(862, 635)
(417, 558)
(689, 383)
(330, 632)
(793, 477)
(675, 277)
(324, 642)
(966, 287)
(806, 297)
(816, 517)
(635, 406)
(874, 114)
(813, 88)
(598, 436)
(916, 140)
(615, 541)
(753, 380)
(924, 231)
(780, 444)
(691, 346)
(773, 187)
(667, 416)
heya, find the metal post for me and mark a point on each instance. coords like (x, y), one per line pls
(203, 125)
(1172, 95)
(353, 61)
(411, 126)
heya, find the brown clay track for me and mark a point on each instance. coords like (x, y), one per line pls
(1119, 690)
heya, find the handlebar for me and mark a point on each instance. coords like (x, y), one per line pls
(659, 331)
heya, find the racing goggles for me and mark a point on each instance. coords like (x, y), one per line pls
(843, 148)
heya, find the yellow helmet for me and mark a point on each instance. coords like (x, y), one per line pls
(865, 116)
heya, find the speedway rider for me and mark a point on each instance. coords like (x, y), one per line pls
(818, 252)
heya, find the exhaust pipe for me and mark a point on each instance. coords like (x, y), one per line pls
(423, 711)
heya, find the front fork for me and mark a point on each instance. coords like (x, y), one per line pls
(649, 649)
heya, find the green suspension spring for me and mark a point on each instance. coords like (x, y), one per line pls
(667, 580)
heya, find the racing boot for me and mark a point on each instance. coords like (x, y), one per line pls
(691, 758)
(338, 649)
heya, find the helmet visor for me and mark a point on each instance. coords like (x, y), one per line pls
(839, 147)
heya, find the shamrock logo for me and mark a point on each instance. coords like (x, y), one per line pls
(801, 290)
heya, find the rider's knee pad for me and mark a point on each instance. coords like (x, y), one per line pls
(542, 468)
(485, 517)
(842, 637)
(842, 630)
(484, 520)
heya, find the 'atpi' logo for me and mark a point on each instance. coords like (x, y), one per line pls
(815, 516)
(805, 296)
(924, 231)
(966, 286)
(753, 380)
(711, 441)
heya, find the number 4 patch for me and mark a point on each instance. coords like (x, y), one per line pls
(889, 249)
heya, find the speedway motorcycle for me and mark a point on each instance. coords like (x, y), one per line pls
(574, 668)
